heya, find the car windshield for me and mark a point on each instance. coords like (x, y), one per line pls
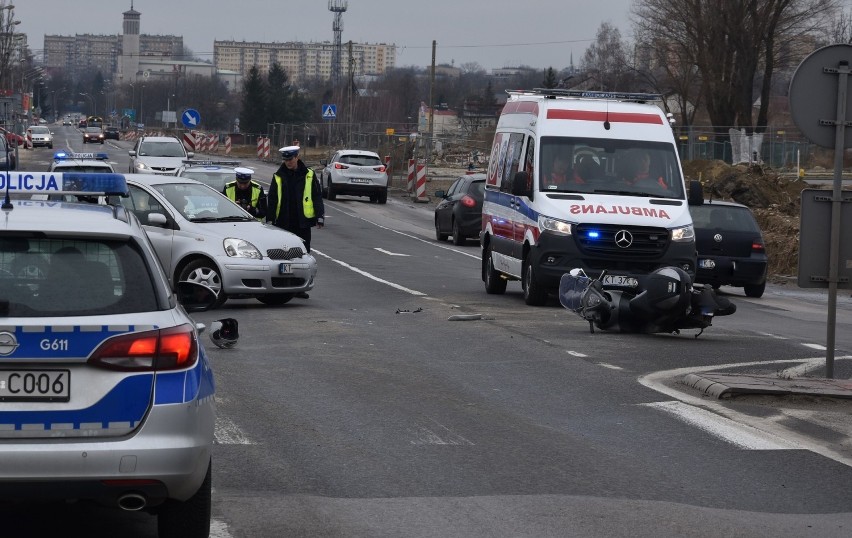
(65, 277)
(608, 166)
(162, 149)
(104, 169)
(93, 129)
(360, 160)
(39, 130)
(201, 203)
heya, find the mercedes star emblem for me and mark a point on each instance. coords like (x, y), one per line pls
(623, 238)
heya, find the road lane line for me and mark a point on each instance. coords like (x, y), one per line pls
(368, 275)
(723, 428)
(389, 253)
(219, 529)
(228, 433)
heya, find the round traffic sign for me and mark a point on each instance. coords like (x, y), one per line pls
(814, 94)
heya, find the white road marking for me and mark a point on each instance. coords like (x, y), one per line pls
(438, 434)
(777, 337)
(818, 347)
(228, 433)
(804, 368)
(575, 353)
(219, 529)
(368, 275)
(610, 366)
(723, 428)
(389, 253)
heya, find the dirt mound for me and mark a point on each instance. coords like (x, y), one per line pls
(774, 199)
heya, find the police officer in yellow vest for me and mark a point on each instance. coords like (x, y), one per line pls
(247, 193)
(295, 197)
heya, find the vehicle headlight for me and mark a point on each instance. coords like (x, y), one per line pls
(240, 248)
(140, 166)
(554, 225)
(683, 234)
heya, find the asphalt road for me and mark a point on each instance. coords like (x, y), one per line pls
(365, 411)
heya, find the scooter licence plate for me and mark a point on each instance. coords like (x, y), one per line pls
(620, 281)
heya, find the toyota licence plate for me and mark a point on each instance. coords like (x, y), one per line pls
(285, 269)
(35, 385)
(620, 281)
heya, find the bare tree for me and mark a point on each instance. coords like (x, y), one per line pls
(605, 61)
(733, 46)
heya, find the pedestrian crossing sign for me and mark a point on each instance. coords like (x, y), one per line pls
(329, 112)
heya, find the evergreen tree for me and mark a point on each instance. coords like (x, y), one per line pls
(279, 95)
(550, 79)
(253, 118)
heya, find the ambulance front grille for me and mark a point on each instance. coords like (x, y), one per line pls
(619, 240)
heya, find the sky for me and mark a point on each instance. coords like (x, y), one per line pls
(536, 33)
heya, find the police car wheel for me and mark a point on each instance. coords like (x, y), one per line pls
(495, 284)
(203, 272)
(275, 299)
(190, 518)
(534, 293)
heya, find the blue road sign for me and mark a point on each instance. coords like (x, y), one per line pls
(190, 118)
(329, 112)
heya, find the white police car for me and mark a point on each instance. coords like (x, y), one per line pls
(213, 173)
(80, 162)
(106, 392)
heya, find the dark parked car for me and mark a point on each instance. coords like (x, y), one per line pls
(730, 245)
(7, 156)
(112, 132)
(459, 214)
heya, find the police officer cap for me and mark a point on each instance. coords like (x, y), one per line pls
(289, 151)
(243, 174)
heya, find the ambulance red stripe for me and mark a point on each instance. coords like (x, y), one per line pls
(601, 115)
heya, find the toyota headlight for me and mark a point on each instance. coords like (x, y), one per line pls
(683, 234)
(140, 166)
(240, 248)
(554, 225)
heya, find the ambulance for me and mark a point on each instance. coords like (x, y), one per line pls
(588, 180)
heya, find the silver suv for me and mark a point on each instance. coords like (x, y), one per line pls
(106, 393)
(355, 172)
(161, 155)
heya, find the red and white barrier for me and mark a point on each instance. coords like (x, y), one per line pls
(411, 176)
(189, 142)
(227, 145)
(213, 143)
(420, 184)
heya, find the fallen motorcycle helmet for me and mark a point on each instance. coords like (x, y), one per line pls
(224, 332)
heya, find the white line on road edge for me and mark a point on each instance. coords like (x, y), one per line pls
(428, 242)
(722, 428)
(818, 347)
(389, 253)
(368, 275)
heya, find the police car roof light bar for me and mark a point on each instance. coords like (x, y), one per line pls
(583, 94)
(61, 156)
(201, 162)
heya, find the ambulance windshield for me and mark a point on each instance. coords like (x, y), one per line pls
(607, 166)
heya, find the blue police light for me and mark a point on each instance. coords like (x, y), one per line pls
(60, 156)
(593, 235)
(88, 183)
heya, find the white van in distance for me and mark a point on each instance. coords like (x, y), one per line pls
(585, 180)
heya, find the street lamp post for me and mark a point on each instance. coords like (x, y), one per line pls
(92, 101)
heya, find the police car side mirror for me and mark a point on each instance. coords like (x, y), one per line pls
(520, 184)
(195, 297)
(132, 153)
(156, 219)
(696, 193)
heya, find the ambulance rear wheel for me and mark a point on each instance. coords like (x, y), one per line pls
(534, 292)
(495, 284)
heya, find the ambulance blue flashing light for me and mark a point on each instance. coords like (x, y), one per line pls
(62, 155)
(593, 235)
(65, 183)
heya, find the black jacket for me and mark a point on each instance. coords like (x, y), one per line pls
(292, 213)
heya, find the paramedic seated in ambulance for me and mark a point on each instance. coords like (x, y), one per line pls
(559, 176)
(636, 167)
(586, 169)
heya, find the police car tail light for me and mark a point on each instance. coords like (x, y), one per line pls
(160, 349)
(339, 166)
(467, 201)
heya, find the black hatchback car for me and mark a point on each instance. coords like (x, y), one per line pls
(459, 213)
(731, 251)
(112, 132)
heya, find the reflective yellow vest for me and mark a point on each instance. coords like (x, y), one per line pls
(231, 192)
(307, 199)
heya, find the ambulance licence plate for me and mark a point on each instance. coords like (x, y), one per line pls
(35, 385)
(285, 269)
(620, 281)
